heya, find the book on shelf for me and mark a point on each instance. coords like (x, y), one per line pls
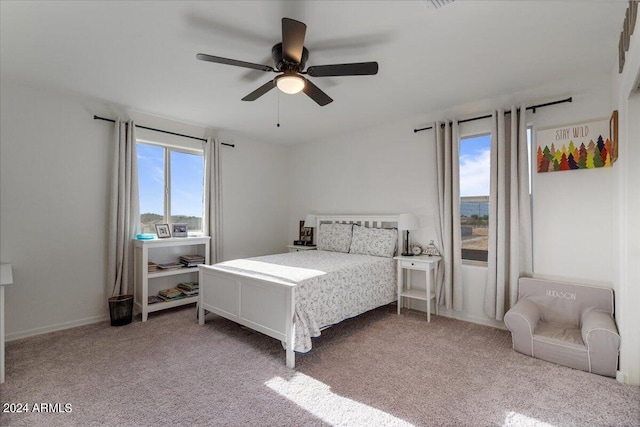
(192, 260)
(152, 299)
(189, 293)
(191, 264)
(152, 266)
(170, 266)
(188, 286)
(170, 294)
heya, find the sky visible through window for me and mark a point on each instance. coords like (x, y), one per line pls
(186, 181)
(475, 166)
(151, 178)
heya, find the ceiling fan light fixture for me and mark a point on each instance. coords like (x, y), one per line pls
(290, 83)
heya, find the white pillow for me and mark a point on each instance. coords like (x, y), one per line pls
(334, 237)
(374, 241)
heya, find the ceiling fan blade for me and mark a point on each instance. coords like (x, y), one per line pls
(355, 69)
(227, 61)
(260, 91)
(293, 33)
(316, 94)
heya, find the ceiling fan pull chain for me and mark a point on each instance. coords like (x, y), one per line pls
(278, 125)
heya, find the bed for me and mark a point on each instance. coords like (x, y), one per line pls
(292, 297)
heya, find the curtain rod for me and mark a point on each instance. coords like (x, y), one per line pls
(162, 131)
(533, 108)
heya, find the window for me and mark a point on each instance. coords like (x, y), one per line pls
(171, 186)
(475, 175)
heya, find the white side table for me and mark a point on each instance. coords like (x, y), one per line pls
(428, 264)
(300, 248)
(6, 278)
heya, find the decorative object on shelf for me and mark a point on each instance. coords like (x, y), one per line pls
(613, 135)
(628, 26)
(407, 222)
(416, 249)
(147, 236)
(579, 146)
(179, 230)
(163, 231)
(432, 250)
(306, 231)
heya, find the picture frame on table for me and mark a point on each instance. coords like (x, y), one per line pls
(179, 230)
(306, 235)
(162, 230)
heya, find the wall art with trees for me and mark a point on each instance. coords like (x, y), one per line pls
(579, 146)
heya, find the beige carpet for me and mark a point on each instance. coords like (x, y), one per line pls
(376, 369)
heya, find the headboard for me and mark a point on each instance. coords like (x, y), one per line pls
(371, 221)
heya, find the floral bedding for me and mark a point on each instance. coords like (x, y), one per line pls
(331, 286)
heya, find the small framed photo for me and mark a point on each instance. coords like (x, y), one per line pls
(162, 230)
(179, 230)
(306, 234)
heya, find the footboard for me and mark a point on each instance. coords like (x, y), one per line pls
(262, 304)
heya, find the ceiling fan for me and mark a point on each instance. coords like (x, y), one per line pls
(290, 58)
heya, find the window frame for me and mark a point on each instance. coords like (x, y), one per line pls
(169, 148)
(481, 130)
(472, 252)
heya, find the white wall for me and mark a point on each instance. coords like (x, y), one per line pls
(385, 169)
(54, 184)
(389, 169)
(53, 207)
(627, 200)
(255, 191)
(573, 210)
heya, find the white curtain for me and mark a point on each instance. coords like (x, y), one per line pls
(213, 198)
(510, 248)
(449, 281)
(124, 215)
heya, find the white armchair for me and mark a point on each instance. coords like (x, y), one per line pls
(568, 324)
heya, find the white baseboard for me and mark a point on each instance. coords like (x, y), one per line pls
(57, 327)
(621, 377)
(472, 319)
(422, 306)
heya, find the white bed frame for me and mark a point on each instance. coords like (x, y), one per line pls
(266, 305)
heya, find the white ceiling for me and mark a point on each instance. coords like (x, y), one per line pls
(141, 55)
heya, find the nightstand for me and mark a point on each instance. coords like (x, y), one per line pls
(428, 264)
(300, 248)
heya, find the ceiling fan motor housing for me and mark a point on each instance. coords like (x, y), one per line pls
(283, 65)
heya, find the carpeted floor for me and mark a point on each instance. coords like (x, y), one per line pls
(376, 369)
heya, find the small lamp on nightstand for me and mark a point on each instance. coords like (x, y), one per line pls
(311, 221)
(407, 222)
